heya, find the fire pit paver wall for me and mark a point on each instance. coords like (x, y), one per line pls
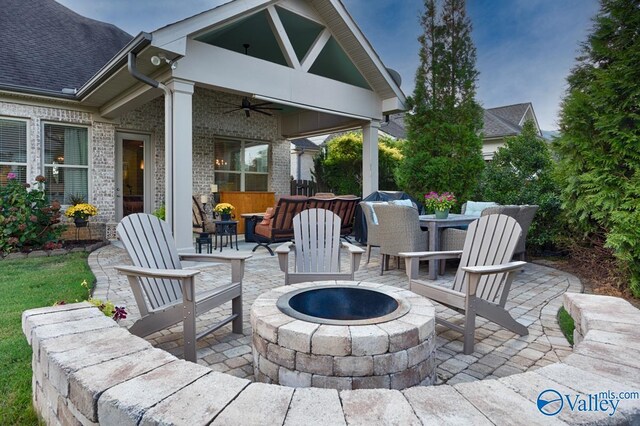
(396, 354)
(87, 370)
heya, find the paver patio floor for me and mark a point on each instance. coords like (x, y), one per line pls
(534, 300)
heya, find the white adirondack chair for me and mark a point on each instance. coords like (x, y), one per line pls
(483, 279)
(316, 247)
(164, 292)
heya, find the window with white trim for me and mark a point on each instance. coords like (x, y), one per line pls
(241, 165)
(66, 162)
(13, 149)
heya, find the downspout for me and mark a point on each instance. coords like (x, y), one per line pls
(168, 136)
(299, 164)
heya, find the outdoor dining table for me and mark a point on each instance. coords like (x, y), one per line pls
(435, 227)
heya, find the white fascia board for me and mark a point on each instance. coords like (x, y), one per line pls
(167, 35)
(392, 105)
(535, 119)
(220, 68)
(302, 8)
(362, 40)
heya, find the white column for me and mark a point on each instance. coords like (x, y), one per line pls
(178, 159)
(370, 157)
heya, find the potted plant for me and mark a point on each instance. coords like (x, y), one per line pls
(224, 210)
(81, 213)
(440, 203)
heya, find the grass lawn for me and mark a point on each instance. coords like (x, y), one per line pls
(566, 324)
(25, 284)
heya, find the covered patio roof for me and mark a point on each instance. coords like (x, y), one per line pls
(306, 56)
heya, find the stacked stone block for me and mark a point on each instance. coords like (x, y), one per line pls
(395, 355)
(87, 370)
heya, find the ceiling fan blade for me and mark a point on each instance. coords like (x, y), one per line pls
(263, 104)
(233, 110)
(261, 112)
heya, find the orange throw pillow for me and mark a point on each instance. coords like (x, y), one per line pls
(267, 217)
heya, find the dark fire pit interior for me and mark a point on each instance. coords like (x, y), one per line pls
(339, 305)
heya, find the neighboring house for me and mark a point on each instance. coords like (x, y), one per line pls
(133, 123)
(302, 153)
(502, 122)
(499, 123)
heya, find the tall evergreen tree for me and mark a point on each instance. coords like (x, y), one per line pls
(444, 149)
(599, 147)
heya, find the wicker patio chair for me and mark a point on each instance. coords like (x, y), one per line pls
(201, 222)
(398, 231)
(373, 232)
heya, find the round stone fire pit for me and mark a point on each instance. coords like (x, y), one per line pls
(343, 335)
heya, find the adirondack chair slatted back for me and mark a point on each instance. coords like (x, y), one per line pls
(490, 240)
(317, 241)
(282, 219)
(149, 243)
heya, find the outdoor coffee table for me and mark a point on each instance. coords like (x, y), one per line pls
(435, 227)
(295, 344)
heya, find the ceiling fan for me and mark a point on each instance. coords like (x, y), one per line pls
(246, 104)
(247, 107)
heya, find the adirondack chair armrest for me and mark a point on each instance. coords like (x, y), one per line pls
(224, 258)
(352, 248)
(156, 273)
(452, 254)
(475, 272)
(411, 259)
(283, 251)
(356, 254)
(494, 269)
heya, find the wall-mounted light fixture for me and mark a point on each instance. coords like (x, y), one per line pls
(160, 58)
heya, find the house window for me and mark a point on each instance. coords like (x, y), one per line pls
(13, 149)
(241, 165)
(66, 162)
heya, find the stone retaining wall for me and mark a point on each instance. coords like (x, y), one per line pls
(88, 370)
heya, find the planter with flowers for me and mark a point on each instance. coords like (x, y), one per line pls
(224, 210)
(440, 203)
(81, 213)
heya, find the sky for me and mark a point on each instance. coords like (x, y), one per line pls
(525, 48)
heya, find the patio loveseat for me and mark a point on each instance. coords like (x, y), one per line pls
(278, 227)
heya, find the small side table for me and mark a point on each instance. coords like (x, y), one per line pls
(204, 239)
(229, 229)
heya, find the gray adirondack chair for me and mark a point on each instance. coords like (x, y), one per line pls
(483, 280)
(164, 292)
(316, 247)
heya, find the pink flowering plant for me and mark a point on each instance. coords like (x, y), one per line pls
(27, 218)
(440, 202)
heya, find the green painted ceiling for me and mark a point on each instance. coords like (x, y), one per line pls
(255, 30)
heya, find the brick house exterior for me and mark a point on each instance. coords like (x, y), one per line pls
(187, 75)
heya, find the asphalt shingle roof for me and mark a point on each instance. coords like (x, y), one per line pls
(47, 46)
(305, 144)
(511, 113)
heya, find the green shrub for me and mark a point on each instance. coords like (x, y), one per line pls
(522, 172)
(599, 147)
(26, 218)
(160, 213)
(338, 168)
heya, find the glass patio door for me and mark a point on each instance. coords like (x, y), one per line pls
(133, 182)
